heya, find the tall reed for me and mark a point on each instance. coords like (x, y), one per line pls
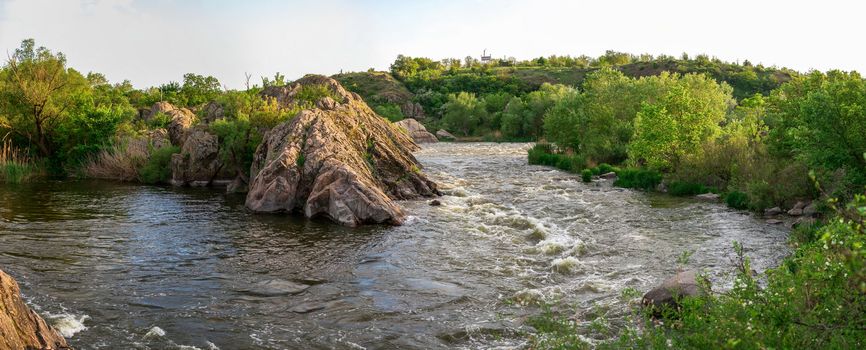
(15, 165)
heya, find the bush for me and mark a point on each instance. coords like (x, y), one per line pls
(737, 200)
(542, 154)
(605, 168)
(683, 188)
(642, 179)
(586, 175)
(158, 166)
(389, 111)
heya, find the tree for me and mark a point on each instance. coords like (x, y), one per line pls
(199, 89)
(565, 123)
(36, 92)
(689, 114)
(463, 112)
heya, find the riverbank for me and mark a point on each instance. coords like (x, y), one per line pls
(508, 239)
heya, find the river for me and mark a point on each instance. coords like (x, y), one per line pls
(122, 266)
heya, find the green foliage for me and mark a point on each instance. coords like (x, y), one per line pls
(678, 124)
(586, 175)
(197, 89)
(238, 141)
(814, 300)
(643, 179)
(310, 93)
(737, 200)
(682, 188)
(463, 112)
(543, 154)
(389, 111)
(158, 166)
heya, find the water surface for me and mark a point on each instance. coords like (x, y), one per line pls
(119, 266)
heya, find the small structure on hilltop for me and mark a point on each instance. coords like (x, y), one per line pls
(485, 57)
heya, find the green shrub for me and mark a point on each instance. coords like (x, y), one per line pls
(683, 188)
(389, 111)
(642, 179)
(605, 168)
(737, 200)
(158, 166)
(586, 175)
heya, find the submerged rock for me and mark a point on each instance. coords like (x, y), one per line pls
(416, 130)
(709, 197)
(681, 285)
(21, 327)
(338, 160)
(773, 211)
(445, 136)
(608, 176)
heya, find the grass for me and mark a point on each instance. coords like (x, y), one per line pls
(642, 179)
(543, 154)
(120, 162)
(16, 166)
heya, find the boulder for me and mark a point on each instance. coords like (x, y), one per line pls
(238, 185)
(413, 110)
(795, 212)
(212, 111)
(810, 210)
(158, 138)
(198, 163)
(709, 197)
(416, 130)
(339, 160)
(608, 176)
(800, 205)
(772, 211)
(181, 120)
(774, 221)
(21, 327)
(435, 203)
(683, 284)
(445, 136)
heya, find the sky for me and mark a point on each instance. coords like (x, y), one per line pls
(157, 41)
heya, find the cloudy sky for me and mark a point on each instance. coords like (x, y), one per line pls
(155, 41)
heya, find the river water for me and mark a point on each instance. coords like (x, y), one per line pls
(118, 266)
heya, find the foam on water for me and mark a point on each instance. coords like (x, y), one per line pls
(67, 324)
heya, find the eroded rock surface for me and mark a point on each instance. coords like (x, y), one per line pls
(338, 160)
(416, 131)
(21, 327)
(198, 163)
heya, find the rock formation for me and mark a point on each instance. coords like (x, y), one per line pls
(212, 111)
(20, 327)
(445, 136)
(416, 130)
(198, 163)
(681, 285)
(338, 160)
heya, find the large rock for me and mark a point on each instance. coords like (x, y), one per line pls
(20, 327)
(683, 284)
(338, 160)
(412, 110)
(198, 163)
(212, 111)
(181, 120)
(416, 130)
(445, 136)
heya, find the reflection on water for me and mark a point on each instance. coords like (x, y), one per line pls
(124, 266)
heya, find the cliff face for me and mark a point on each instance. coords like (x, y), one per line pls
(338, 160)
(20, 327)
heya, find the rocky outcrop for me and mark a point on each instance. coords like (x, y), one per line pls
(412, 110)
(339, 160)
(709, 197)
(681, 285)
(21, 327)
(181, 121)
(445, 136)
(212, 111)
(198, 163)
(416, 130)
